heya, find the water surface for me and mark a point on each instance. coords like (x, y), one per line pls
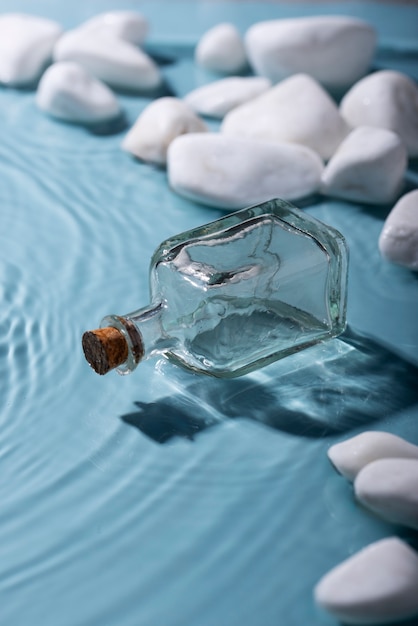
(165, 498)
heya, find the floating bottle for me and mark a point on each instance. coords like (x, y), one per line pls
(233, 295)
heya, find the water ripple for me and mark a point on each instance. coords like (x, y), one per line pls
(167, 498)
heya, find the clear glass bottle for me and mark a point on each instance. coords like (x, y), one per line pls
(233, 295)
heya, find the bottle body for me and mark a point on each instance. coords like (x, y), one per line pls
(241, 292)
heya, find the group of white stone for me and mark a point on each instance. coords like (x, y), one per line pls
(101, 55)
(282, 134)
(379, 584)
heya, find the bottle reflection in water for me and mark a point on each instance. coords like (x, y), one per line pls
(233, 295)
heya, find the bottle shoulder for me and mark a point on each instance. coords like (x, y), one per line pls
(278, 211)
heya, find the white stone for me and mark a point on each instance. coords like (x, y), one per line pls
(398, 240)
(235, 172)
(221, 49)
(26, 44)
(114, 61)
(218, 98)
(130, 26)
(386, 99)
(389, 488)
(351, 455)
(368, 166)
(67, 91)
(375, 586)
(297, 110)
(335, 50)
(158, 125)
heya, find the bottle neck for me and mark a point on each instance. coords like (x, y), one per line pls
(143, 332)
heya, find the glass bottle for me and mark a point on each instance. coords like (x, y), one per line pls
(233, 295)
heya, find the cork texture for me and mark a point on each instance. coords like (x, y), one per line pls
(104, 349)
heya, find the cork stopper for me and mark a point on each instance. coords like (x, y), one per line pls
(104, 349)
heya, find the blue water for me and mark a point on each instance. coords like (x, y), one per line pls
(164, 498)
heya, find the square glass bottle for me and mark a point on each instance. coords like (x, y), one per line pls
(233, 295)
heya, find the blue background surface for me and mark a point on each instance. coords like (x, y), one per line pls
(165, 498)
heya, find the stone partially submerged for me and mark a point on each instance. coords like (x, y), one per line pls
(26, 44)
(335, 50)
(386, 99)
(68, 92)
(130, 26)
(297, 110)
(375, 586)
(389, 488)
(158, 125)
(116, 62)
(398, 241)
(368, 166)
(221, 50)
(351, 455)
(235, 172)
(218, 98)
